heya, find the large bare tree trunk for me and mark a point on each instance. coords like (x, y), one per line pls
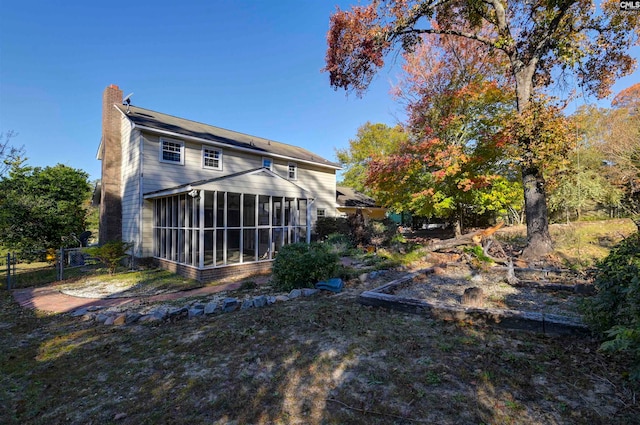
(535, 205)
(535, 200)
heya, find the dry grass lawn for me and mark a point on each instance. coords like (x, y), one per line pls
(318, 360)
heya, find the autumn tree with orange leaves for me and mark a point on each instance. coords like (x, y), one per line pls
(452, 167)
(535, 38)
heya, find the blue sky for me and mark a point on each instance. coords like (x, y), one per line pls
(249, 66)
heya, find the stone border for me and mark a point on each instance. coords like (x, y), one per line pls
(188, 310)
(548, 324)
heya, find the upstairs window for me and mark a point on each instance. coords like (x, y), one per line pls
(171, 151)
(212, 158)
(293, 171)
(267, 163)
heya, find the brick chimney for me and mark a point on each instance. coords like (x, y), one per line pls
(111, 199)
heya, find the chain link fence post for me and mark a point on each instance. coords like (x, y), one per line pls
(11, 274)
(61, 264)
(8, 270)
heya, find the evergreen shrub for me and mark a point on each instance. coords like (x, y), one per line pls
(614, 312)
(302, 265)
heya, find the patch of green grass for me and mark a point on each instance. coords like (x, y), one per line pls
(582, 244)
(432, 378)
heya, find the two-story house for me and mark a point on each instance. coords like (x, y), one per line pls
(206, 202)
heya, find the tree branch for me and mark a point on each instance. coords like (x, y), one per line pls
(463, 34)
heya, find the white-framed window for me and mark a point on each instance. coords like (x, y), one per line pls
(267, 163)
(322, 212)
(292, 172)
(171, 151)
(211, 158)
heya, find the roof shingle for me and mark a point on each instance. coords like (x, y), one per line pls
(180, 126)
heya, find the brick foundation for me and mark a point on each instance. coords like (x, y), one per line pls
(208, 275)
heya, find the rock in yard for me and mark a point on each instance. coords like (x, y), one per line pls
(101, 318)
(95, 307)
(295, 293)
(307, 292)
(148, 318)
(195, 311)
(177, 311)
(246, 304)
(211, 308)
(120, 320)
(79, 312)
(229, 305)
(260, 301)
(159, 314)
(132, 318)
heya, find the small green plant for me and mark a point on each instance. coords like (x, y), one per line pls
(432, 378)
(614, 311)
(338, 243)
(478, 253)
(381, 232)
(301, 265)
(111, 253)
(248, 285)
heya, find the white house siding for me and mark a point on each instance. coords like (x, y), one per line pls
(131, 190)
(161, 175)
(322, 183)
(156, 175)
(147, 229)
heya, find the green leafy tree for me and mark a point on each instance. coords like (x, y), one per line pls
(371, 139)
(583, 186)
(535, 38)
(615, 135)
(42, 207)
(9, 154)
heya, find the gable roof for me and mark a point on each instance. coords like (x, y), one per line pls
(152, 121)
(262, 181)
(348, 197)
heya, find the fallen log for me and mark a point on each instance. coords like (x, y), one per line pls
(474, 238)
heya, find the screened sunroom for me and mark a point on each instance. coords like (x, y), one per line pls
(237, 219)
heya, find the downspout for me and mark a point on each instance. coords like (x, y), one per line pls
(140, 191)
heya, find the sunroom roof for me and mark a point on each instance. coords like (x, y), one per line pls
(258, 181)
